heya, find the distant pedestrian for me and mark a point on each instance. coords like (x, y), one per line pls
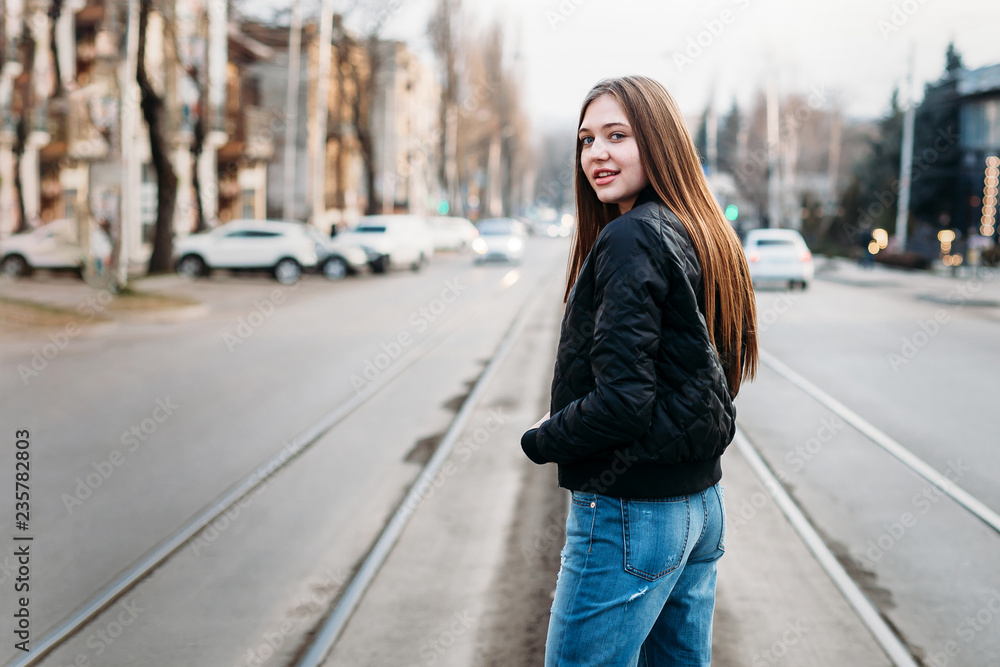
(658, 332)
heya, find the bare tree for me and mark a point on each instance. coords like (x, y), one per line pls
(493, 129)
(196, 72)
(443, 29)
(22, 115)
(154, 112)
(55, 11)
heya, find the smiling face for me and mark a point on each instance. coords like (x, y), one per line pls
(609, 155)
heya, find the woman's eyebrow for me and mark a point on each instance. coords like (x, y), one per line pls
(605, 126)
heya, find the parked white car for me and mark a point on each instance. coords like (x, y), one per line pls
(283, 248)
(500, 239)
(405, 239)
(779, 255)
(51, 246)
(337, 259)
(452, 233)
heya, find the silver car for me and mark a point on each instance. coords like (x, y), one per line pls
(500, 239)
(779, 255)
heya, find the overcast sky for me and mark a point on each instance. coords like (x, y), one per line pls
(854, 51)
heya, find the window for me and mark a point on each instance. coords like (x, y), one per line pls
(248, 207)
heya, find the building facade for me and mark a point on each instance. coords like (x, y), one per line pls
(979, 114)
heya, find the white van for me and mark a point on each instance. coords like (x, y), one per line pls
(405, 239)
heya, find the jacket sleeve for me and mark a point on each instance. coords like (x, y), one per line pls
(629, 288)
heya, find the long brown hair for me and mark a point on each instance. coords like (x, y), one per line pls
(671, 163)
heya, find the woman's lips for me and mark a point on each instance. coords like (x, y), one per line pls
(608, 177)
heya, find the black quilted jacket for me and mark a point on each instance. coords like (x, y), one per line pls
(640, 403)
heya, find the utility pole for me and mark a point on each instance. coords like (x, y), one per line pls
(130, 160)
(906, 160)
(712, 139)
(322, 92)
(389, 144)
(292, 109)
(773, 156)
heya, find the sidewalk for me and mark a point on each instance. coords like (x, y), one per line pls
(964, 286)
(36, 305)
(470, 580)
(55, 301)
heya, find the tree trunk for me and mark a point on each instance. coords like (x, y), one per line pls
(153, 112)
(197, 146)
(22, 216)
(55, 11)
(362, 121)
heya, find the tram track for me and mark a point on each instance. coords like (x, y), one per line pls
(897, 647)
(289, 451)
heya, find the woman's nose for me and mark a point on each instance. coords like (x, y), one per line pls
(598, 150)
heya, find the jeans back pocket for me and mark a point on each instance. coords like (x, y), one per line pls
(656, 535)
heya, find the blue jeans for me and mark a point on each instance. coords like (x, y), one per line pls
(637, 582)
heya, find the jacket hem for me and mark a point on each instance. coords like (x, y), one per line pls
(621, 478)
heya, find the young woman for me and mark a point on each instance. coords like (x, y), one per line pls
(658, 333)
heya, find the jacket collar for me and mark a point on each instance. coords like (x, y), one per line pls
(647, 195)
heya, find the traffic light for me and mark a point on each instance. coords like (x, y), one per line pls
(732, 212)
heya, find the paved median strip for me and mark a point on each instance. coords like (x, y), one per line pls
(869, 615)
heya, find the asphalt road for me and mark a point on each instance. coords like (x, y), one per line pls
(190, 408)
(917, 357)
(134, 427)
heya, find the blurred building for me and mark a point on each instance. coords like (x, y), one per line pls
(66, 150)
(272, 79)
(979, 114)
(63, 119)
(343, 172)
(248, 125)
(405, 130)
(380, 137)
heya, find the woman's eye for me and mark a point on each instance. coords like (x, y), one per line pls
(586, 141)
(617, 136)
